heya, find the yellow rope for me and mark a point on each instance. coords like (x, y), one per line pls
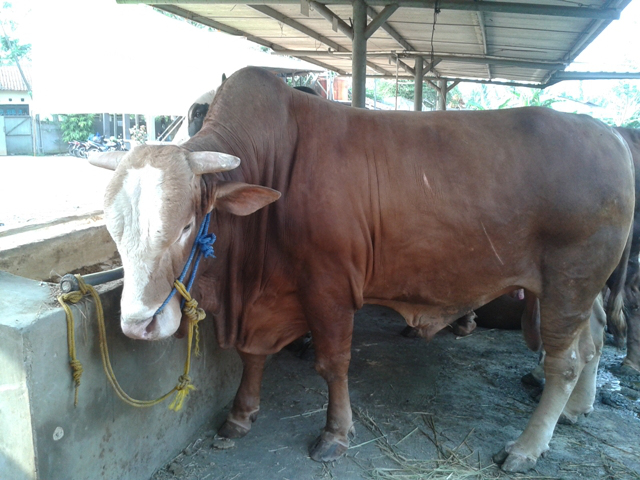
(184, 386)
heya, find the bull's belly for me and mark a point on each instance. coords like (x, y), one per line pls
(429, 318)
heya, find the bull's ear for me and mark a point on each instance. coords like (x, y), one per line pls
(108, 160)
(243, 199)
(211, 162)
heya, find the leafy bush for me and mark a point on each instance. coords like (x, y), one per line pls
(76, 127)
(139, 134)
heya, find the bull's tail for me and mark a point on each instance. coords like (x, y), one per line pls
(616, 322)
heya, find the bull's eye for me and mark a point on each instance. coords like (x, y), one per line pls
(186, 229)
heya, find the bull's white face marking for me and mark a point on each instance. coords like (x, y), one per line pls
(134, 221)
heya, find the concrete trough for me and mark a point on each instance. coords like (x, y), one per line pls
(42, 435)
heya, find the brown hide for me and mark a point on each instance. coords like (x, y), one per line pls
(632, 283)
(431, 214)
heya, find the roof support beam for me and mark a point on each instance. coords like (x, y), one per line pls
(339, 24)
(561, 76)
(483, 35)
(391, 31)
(234, 31)
(500, 61)
(468, 5)
(380, 19)
(270, 12)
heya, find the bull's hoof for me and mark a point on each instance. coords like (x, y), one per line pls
(231, 429)
(514, 462)
(567, 418)
(324, 449)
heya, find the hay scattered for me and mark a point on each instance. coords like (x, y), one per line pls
(451, 464)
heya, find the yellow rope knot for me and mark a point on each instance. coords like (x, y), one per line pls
(183, 388)
(193, 313)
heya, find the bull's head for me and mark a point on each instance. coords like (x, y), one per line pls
(152, 205)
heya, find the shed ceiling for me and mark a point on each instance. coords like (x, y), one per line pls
(517, 42)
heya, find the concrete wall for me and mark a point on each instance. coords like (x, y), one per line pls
(3, 138)
(50, 139)
(44, 437)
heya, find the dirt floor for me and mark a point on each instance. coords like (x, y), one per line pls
(421, 411)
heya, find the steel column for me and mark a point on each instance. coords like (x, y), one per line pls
(359, 59)
(417, 94)
(441, 89)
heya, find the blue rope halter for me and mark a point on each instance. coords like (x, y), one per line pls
(202, 247)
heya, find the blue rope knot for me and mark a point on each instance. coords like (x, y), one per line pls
(202, 247)
(205, 243)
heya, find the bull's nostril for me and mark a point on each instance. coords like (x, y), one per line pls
(152, 325)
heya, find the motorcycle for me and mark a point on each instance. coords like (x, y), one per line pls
(110, 145)
(77, 149)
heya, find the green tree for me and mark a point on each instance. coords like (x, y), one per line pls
(12, 51)
(406, 89)
(76, 127)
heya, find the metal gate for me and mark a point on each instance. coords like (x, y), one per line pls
(18, 132)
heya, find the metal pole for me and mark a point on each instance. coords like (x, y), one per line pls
(359, 59)
(417, 94)
(442, 95)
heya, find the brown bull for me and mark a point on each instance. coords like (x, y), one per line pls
(430, 214)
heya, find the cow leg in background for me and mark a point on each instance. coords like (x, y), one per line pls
(584, 394)
(633, 339)
(464, 325)
(332, 331)
(632, 313)
(247, 401)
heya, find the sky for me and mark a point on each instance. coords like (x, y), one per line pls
(617, 48)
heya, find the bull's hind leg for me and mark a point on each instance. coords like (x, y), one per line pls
(563, 366)
(565, 310)
(247, 401)
(584, 393)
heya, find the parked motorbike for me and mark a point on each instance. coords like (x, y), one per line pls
(77, 149)
(103, 145)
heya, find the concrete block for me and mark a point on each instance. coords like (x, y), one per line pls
(43, 436)
(55, 249)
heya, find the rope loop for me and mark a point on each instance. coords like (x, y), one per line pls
(182, 388)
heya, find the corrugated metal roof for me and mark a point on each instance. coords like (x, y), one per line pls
(521, 41)
(10, 78)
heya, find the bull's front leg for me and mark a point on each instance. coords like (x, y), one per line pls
(247, 401)
(332, 342)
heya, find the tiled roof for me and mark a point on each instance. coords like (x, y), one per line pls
(10, 78)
